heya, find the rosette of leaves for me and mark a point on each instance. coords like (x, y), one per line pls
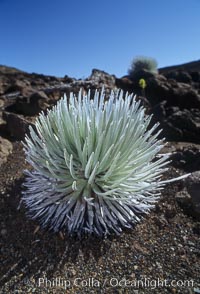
(94, 163)
(141, 64)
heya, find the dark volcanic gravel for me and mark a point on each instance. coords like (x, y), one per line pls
(165, 245)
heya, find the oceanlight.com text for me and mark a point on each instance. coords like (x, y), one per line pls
(115, 283)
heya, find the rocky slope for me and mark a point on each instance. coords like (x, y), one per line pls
(165, 244)
(173, 97)
(193, 66)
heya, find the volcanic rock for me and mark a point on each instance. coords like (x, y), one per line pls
(5, 150)
(99, 79)
(181, 125)
(17, 125)
(189, 198)
(185, 156)
(172, 96)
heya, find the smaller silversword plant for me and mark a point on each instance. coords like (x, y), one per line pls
(95, 164)
(143, 63)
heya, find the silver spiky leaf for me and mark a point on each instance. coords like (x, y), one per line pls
(95, 164)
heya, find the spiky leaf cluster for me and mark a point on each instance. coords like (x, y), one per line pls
(95, 165)
(141, 63)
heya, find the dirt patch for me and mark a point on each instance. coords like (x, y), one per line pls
(165, 245)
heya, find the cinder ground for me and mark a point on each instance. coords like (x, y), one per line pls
(165, 245)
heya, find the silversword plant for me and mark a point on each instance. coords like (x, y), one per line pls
(96, 167)
(143, 63)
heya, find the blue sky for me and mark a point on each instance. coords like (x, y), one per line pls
(72, 37)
